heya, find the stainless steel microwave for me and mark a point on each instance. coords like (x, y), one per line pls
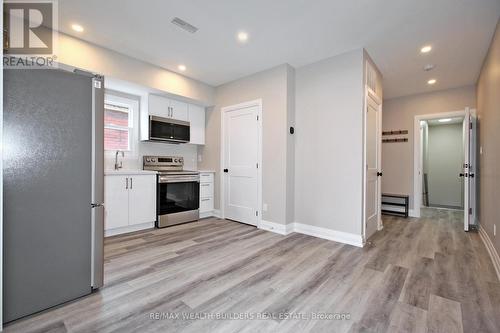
(168, 130)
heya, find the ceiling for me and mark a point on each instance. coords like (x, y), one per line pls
(297, 32)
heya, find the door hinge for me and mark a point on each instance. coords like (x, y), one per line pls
(257, 165)
(470, 211)
(257, 118)
(470, 125)
(256, 213)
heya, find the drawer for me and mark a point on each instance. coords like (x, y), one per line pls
(206, 205)
(206, 190)
(206, 177)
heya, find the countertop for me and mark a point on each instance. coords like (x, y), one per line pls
(128, 172)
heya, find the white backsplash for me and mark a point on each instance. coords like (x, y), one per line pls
(187, 151)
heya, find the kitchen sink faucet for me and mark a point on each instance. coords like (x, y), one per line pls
(119, 166)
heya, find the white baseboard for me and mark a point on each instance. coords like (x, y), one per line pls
(491, 250)
(206, 214)
(127, 229)
(282, 229)
(337, 236)
(211, 213)
(412, 213)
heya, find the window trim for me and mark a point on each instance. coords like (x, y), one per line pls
(129, 128)
(132, 102)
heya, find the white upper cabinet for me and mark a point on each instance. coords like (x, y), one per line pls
(197, 122)
(159, 106)
(178, 110)
(167, 108)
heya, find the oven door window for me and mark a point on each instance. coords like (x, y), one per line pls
(178, 197)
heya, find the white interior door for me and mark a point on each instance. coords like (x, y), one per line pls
(469, 167)
(373, 172)
(240, 164)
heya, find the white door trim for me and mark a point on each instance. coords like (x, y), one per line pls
(258, 104)
(370, 93)
(417, 156)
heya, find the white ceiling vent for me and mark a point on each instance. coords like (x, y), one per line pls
(184, 25)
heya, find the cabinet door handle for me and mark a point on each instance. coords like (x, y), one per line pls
(126, 183)
(205, 199)
(205, 184)
(131, 182)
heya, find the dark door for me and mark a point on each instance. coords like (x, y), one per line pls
(47, 189)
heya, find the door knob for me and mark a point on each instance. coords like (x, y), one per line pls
(379, 174)
(226, 170)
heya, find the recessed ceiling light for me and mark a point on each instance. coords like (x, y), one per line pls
(182, 68)
(429, 67)
(242, 36)
(444, 120)
(77, 27)
(431, 81)
(426, 49)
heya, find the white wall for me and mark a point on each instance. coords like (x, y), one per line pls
(488, 106)
(273, 87)
(187, 151)
(329, 143)
(444, 163)
(399, 113)
(81, 54)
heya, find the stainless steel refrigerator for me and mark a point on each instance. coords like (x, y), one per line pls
(53, 188)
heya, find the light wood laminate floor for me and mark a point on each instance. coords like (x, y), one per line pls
(417, 275)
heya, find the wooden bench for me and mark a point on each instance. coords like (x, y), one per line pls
(395, 204)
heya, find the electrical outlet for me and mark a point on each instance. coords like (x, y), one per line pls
(264, 207)
(494, 230)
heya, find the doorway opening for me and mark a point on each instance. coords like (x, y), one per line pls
(442, 158)
(445, 164)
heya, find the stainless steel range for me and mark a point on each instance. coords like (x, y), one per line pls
(178, 190)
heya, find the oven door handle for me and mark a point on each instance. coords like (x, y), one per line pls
(179, 180)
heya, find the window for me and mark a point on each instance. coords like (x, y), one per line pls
(118, 126)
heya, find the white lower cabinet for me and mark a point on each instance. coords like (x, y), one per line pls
(129, 203)
(206, 194)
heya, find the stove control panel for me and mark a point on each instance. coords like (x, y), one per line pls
(159, 162)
